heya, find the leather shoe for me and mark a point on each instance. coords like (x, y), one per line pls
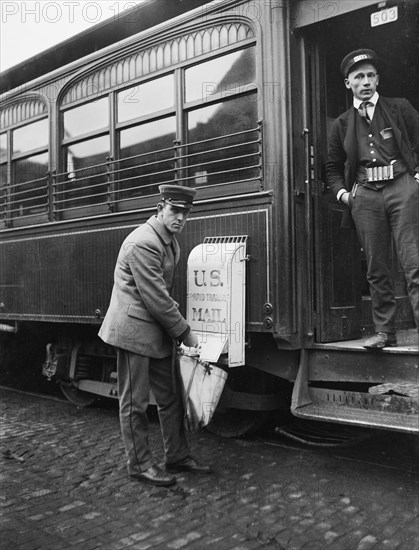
(154, 476)
(188, 464)
(380, 341)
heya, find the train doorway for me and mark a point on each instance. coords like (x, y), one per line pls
(342, 302)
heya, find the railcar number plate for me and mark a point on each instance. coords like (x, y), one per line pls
(384, 16)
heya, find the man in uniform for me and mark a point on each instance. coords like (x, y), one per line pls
(143, 322)
(373, 168)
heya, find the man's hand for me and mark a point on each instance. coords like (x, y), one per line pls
(345, 198)
(191, 341)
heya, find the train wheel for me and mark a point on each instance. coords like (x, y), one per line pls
(237, 423)
(84, 369)
(228, 422)
(77, 397)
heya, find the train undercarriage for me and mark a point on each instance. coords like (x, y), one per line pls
(333, 383)
(339, 383)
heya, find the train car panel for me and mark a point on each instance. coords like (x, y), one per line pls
(251, 89)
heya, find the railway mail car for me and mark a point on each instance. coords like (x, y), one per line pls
(235, 98)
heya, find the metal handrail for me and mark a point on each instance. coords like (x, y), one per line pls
(250, 130)
(145, 175)
(11, 210)
(77, 207)
(186, 178)
(145, 165)
(28, 182)
(16, 203)
(73, 180)
(18, 193)
(189, 155)
(144, 155)
(71, 190)
(189, 166)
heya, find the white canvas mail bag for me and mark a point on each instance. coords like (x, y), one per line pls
(202, 385)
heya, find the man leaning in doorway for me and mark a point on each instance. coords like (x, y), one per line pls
(142, 322)
(373, 168)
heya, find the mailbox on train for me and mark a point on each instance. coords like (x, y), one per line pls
(216, 295)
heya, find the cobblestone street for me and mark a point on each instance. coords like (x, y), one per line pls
(64, 485)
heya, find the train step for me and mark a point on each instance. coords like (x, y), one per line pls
(349, 361)
(344, 383)
(391, 412)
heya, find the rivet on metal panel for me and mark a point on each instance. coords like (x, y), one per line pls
(98, 313)
(268, 322)
(267, 308)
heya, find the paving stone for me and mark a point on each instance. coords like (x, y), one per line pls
(71, 491)
(367, 543)
(389, 544)
(180, 543)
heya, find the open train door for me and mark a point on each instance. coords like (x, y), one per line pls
(341, 301)
(336, 258)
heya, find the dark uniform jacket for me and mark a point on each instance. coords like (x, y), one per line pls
(142, 316)
(342, 162)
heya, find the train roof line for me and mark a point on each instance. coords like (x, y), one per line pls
(97, 40)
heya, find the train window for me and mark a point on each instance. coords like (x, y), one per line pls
(224, 75)
(3, 175)
(223, 142)
(30, 137)
(86, 118)
(147, 137)
(83, 183)
(212, 140)
(29, 194)
(146, 158)
(88, 152)
(147, 98)
(3, 148)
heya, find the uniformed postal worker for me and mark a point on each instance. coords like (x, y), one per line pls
(373, 168)
(142, 322)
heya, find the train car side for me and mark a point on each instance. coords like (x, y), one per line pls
(243, 119)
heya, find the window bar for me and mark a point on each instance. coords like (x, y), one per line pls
(223, 136)
(260, 153)
(51, 192)
(110, 184)
(226, 159)
(3, 203)
(176, 154)
(216, 149)
(145, 164)
(54, 182)
(230, 171)
(7, 205)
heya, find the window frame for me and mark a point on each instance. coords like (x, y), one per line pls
(180, 111)
(7, 216)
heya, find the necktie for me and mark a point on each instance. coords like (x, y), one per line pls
(362, 110)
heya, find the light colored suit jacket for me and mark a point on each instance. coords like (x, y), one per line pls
(142, 316)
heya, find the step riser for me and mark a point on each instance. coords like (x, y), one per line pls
(335, 400)
(371, 368)
(380, 410)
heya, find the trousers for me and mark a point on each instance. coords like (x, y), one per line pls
(380, 214)
(138, 374)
